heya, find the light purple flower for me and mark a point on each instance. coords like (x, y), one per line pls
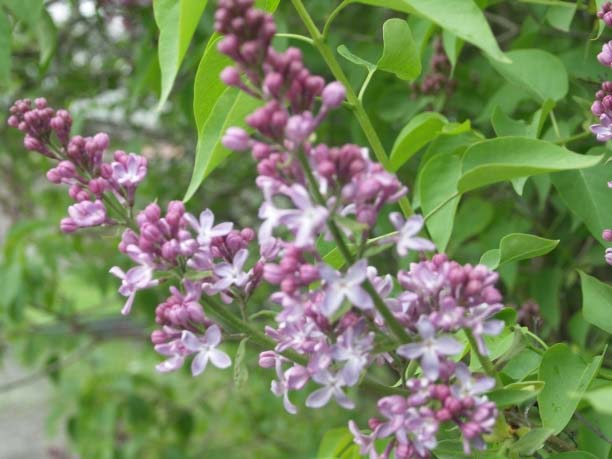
(205, 229)
(231, 274)
(206, 348)
(305, 221)
(467, 385)
(479, 324)
(176, 351)
(430, 349)
(353, 347)
(88, 213)
(332, 387)
(365, 442)
(137, 278)
(293, 379)
(130, 172)
(407, 238)
(338, 288)
(603, 130)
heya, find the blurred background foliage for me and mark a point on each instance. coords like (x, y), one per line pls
(59, 311)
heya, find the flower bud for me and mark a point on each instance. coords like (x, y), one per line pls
(333, 95)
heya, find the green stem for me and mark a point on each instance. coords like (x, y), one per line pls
(295, 37)
(365, 84)
(354, 102)
(332, 16)
(486, 363)
(582, 135)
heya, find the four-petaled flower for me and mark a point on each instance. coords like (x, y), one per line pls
(603, 130)
(137, 278)
(130, 172)
(406, 238)
(430, 349)
(205, 229)
(206, 348)
(88, 213)
(339, 287)
(231, 273)
(332, 387)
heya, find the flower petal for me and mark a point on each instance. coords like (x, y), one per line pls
(198, 365)
(212, 337)
(411, 350)
(191, 341)
(448, 345)
(219, 358)
(319, 397)
(359, 297)
(430, 365)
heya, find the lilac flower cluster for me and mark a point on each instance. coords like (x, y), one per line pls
(602, 106)
(413, 422)
(330, 317)
(210, 259)
(95, 185)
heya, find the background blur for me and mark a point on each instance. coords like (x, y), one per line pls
(77, 379)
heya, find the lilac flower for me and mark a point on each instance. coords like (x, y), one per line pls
(131, 171)
(353, 347)
(365, 442)
(338, 288)
(479, 324)
(88, 213)
(231, 274)
(205, 229)
(206, 348)
(292, 379)
(467, 385)
(176, 351)
(307, 220)
(407, 231)
(603, 131)
(430, 349)
(137, 278)
(332, 387)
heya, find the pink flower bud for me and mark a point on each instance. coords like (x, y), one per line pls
(607, 234)
(68, 225)
(267, 359)
(231, 76)
(236, 139)
(333, 95)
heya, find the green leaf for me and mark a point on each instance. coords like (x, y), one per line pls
(515, 393)
(596, 302)
(437, 185)
(600, 399)
(505, 158)
(539, 72)
(334, 442)
(230, 110)
(516, 247)
(46, 34)
(241, 372)
(586, 194)
(452, 47)
(5, 48)
(461, 17)
(27, 11)
(177, 21)
(531, 441)
(208, 87)
(400, 54)
(419, 131)
(351, 57)
(506, 126)
(561, 16)
(566, 377)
